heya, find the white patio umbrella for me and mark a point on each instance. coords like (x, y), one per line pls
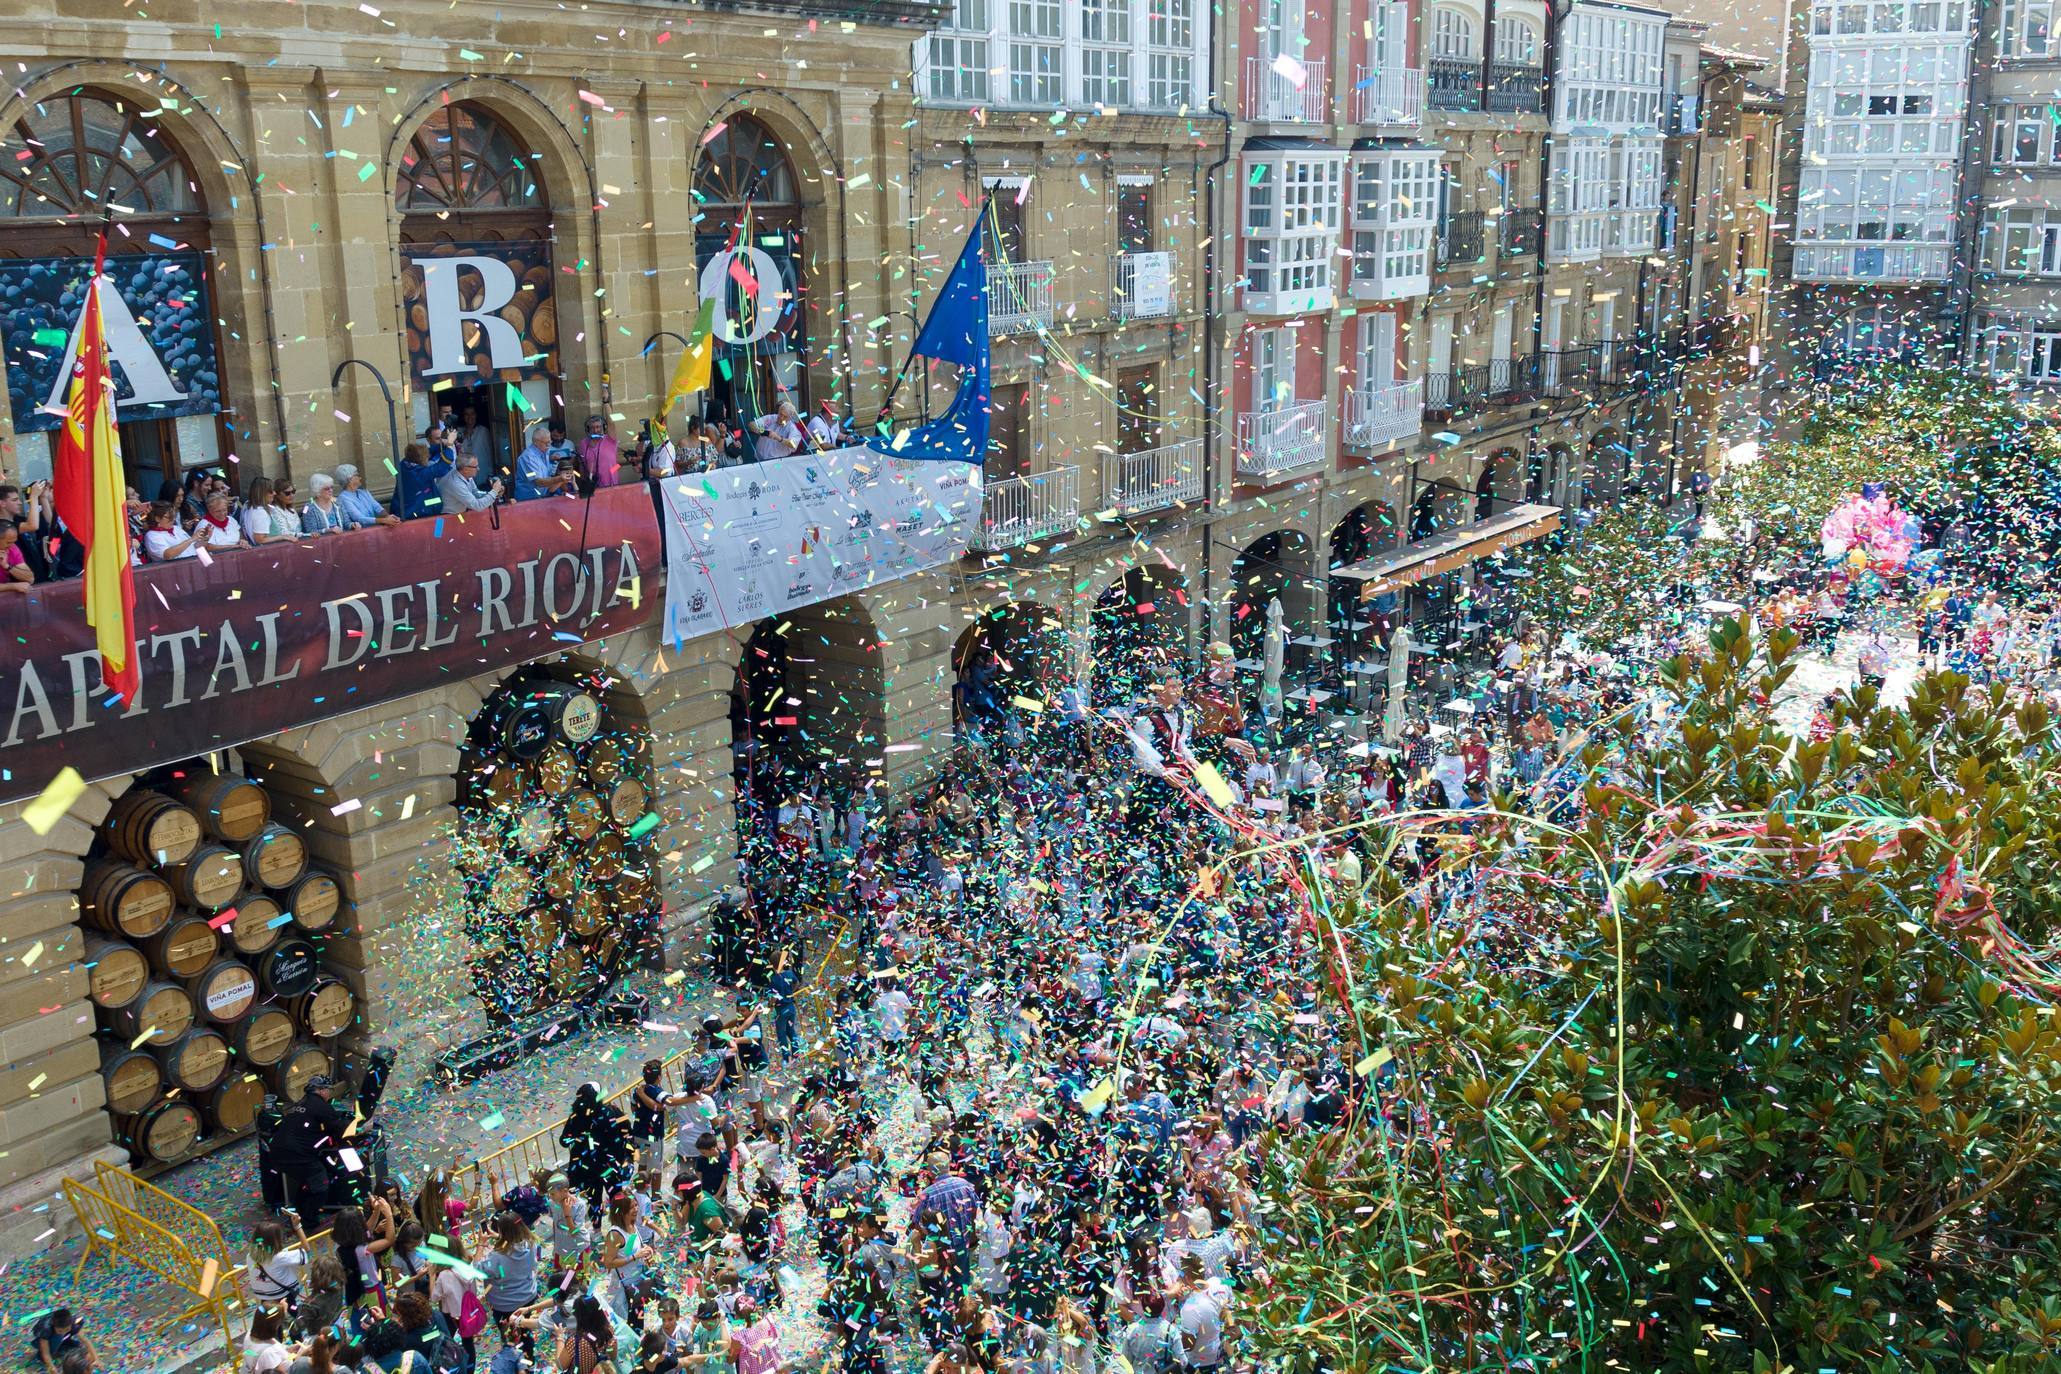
(1275, 659)
(1398, 684)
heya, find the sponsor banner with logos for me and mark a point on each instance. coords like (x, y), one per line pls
(744, 543)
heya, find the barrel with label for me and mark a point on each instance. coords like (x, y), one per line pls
(327, 1008)
(223, 992)
(209, 879)
(234, 1105)
(197, 1060)
(147, 827)
(314, 901)
(579, 718)
(124, 900)
(162, 1134)
(183, 948)
(288, 969)
(275, 857)
(164, 1012)
(263, 1038)
(231, 808)
(257, 925)
(606, 759)
(522, 720)
(115, 972)
(134, 1080)
(289, 1077)
(627, 801)
(583, 813)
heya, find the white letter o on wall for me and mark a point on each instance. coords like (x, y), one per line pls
(714, 279)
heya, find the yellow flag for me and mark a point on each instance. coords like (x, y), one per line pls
(697, 364)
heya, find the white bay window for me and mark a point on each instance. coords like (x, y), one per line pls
(1293, 206)
(1394, 210)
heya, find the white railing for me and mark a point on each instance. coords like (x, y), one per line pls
(1154, 479)
(1376, 416)
(1273, 96)
(1019, 297)
(1873, 262)
(1275, 443)
(1144, 286)
(1388, 96)
(1016, 510)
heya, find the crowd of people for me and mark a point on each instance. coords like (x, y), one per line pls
(455, 468)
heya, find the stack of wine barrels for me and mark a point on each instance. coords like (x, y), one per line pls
(561, 872)
(203, 952)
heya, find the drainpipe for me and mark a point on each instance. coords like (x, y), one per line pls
(1211, 328)
(1549, 90)
(1959, 305)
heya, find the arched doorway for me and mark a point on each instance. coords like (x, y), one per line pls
(482, 333)
(806, 709)
(1013, 650)
(1551, 476)
(81, 153)
(752, 216)
(1502, 484)
(1603, 478)
(1136, 633)
(1356, 631)
(1277, 565)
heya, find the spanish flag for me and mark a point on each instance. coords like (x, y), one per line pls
(90, 490)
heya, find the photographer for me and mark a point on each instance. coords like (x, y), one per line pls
(306, 1143)
(460, 491)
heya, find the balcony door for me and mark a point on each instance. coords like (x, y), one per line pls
(1137, 416)
(1377, 351)
(1502, 332)
(1008, 439)
(1008, 235)
(1134, 219)
(1390, 49)
(1281, 29)
(1273, 370)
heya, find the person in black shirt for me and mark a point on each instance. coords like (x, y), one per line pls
(305, 1144)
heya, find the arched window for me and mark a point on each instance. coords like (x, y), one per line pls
(744, 164)
(66, 164)
(463, 159)
(1452, 34)
(1517, 43)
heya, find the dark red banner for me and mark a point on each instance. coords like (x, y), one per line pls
(265, 639)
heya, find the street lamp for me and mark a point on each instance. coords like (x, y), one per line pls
(393, 430)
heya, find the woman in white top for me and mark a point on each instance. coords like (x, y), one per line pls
(218, 529)
(163, 540)
(257, 511)
(267, 1353)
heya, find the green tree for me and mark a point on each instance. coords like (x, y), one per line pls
(1746, 1065)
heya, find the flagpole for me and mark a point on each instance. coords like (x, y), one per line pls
(902, 373)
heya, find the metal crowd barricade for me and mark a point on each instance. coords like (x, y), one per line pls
(119, 1230)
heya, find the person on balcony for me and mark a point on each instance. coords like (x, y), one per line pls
(826, 432)
(259, 526)
(163, 540)
(599, 453)
(459, 488)
(780, 434)
(323, 514)
(415, 491)
(360, 507)
(217, 529)
(536, 472)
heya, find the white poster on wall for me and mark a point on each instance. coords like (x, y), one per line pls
(762, 539)
(1152, 284)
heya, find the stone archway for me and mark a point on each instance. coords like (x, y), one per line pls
(1365, 531)
(1500, 486)
(1280, 564)
(1014, 649)
(807, 706)
(1136, 632)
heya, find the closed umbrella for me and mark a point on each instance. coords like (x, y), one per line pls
(1275, 659)
(1398, 683)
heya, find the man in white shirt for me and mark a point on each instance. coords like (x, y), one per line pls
(891, 1018)
(1260, 773)
(460, 491)
(824, 431)
(780, 435)
(1202, 1317)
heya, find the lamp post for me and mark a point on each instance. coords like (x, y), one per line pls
(393, 428)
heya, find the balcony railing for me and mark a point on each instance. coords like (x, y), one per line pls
(1274, 444)
(1462, 239)
(1873, 262)
(1512, 381)
(1392, 96)
(1270, 96)
(1684, 115)
(1144, 286)
(1455, 84)
(1377, 416)
(1516, 88)
(1567, 373)
(1016, 510)
(1520, 233)
(1019, 297)
(1170, 475)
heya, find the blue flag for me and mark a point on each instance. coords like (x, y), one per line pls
(956, 331)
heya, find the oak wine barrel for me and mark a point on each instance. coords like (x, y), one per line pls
(314, 901)
(231, 808)
(134, 1081)
(234, 1105)
(210, 877)
(586, 911)
(197, 1060)
(557, 771)
(162, 1134)
(508, 891)
(605, 761)
(535, 828)
(256, 927)
(289, 1077)
(540, 928)
(263, 1038)
(164, 1010)
(275, 857)
(115, 972)
(288, 969)
(124, 900)
(634, 889)
(605, 858)
(561, 877)
(183, 948)
(504, 785)
(579, 717)
(223, 992)
(627, 800)
(568, 967)
(327, 1008)
(583, 813)
(148, 827)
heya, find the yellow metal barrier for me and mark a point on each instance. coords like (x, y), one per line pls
(117, 1230)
